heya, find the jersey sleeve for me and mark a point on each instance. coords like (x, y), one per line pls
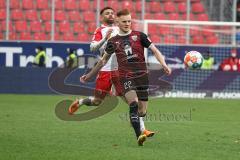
(110, 47)
(97, 35)
(146, 42)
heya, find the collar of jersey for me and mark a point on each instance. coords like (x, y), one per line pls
(124, 34)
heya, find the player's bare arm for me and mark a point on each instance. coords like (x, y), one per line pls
(96, 68)
(160, 58)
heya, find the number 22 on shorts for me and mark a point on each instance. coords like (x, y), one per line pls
(127, 85)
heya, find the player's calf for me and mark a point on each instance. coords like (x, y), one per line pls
(134, 118)
(90, 101)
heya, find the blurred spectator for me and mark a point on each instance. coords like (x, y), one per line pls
(71, 60)
(231, 63)
(238, 11)
(40, 58)
(208, 61)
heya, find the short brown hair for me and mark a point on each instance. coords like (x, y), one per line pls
(123, 12)
(105, 8)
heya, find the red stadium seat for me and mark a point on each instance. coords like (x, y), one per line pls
(42, 4)
(12, 36)
(1, 36)
(25, 36)
(192, 16)
(40, 36)
(21, 26)
(152, 29)
(148, 16)
(31, 15)
(17, 14)
(173, 16)
(68, 36)
(181, 40)
(28, 4)
(197, 39)
(78, 27)
(48, 26)
(208, 31)
(154, 6)
(58, 4)
(3, 25)
(134, 15)
(64, 27)
(179, 1)
(159, 16)
(35, 26)
(2, 14)
(137, 26)
(195, 31)
(179, 30)
(74, 16)
(60, 15)
(182, 7)
(169, 39)
(57, 36)
(83, 37)
(202, 17)
(128, 5)
(95, 4)
(3, 4)
(114, 4)
(169, 7)
(15, 4)
(164, 30)
(138, 7)
(155, 38)
(71, 5)
(84, 5)
(198, 8)
(91, 27)
(46, 15)
(89, 16)
(212, 40)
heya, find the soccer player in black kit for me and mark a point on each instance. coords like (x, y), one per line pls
(129, 46)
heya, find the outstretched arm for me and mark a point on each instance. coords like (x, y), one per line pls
(96, 68)
(160, 58)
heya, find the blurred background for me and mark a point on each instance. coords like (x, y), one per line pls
(176, 26)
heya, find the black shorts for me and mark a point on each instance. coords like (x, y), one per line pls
(138, 83)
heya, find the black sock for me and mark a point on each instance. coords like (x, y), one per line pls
(133, 113)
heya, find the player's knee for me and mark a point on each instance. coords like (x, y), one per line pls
(142, 113)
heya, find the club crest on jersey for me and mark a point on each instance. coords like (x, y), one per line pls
(134, 38)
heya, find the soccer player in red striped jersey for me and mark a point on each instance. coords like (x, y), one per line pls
(104, 78)
(129, 47)
(108, 75)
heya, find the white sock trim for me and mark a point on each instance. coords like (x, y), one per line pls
(142, 126)
(80, 101)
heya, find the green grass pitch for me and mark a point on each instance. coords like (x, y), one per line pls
(186, 129)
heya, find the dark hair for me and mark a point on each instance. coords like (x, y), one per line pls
(123, 12)
(105, 8)
(40, 48)
(71, 50)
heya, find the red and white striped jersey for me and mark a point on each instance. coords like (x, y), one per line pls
(99, 34)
